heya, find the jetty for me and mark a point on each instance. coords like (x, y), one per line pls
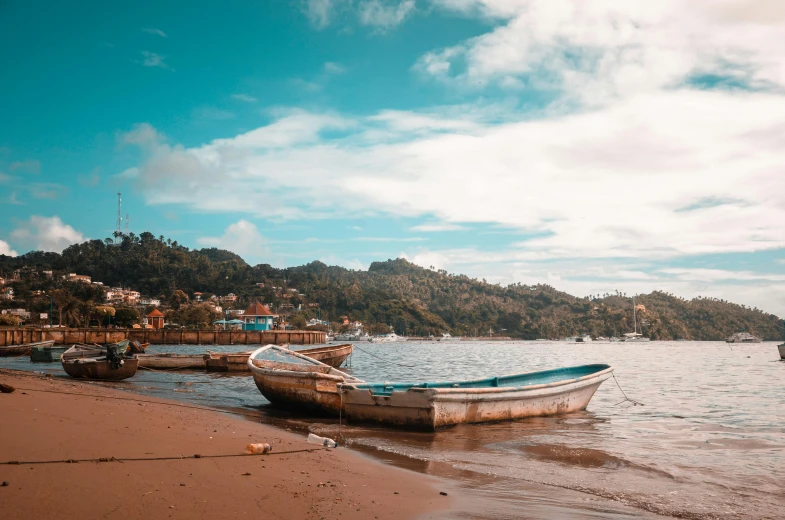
(70, 336)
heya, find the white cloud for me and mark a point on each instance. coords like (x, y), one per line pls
(385, 15)
(600, 50)
(437, 227)
(157, 32)
(212, 113)
(152, 59)
(244, 98)
(331, 67)
(6, 250)
(28, 166)
(242, 238)
(45, 234)
(318, 12)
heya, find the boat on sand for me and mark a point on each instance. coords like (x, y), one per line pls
(290, 379)
(23, 350)
(167, 361)
(95, 362)
(430, 406)
(334, 355)
(46, 354)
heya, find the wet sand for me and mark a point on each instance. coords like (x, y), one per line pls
(37, 426)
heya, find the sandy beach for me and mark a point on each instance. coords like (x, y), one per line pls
(42, 421)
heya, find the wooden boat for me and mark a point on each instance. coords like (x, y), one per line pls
(290, 379)
(46, 354)
(23, 350)
(90, 362)
(430, 406)
(334, 355)
(781, 348)
(227, 362)
(166, 361)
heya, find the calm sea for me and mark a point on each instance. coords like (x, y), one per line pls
(707, 442)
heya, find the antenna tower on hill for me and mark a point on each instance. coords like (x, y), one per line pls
(127, 223)
(119, 231)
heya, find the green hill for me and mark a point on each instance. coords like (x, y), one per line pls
(410, 298)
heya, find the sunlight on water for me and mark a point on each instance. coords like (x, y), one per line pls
(708, 442)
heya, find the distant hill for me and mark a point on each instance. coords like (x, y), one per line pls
(396, 292)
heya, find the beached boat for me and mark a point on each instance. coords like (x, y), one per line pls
(334, 355)
(227, 362)
(166, 361)
(743, 337)
(46, 354)
(290, 379)
(23, 350)
(430, 406)
(92, 362)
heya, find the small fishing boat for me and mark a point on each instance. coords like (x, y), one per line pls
(332, 355)
(227, 362)
(290, 379)
(95, 362)
(781, 348)
(430, 406)
(47, 354)
(743, 337)
(166, 361)
(23, 350)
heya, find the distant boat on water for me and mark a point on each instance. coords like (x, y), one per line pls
(743, 337)
(392, 337)
(635, 336)
(782, 350)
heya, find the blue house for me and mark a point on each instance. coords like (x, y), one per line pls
(257, 317)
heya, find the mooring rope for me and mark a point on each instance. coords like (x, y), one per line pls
(385, 360)
(633, 401)
(140, 459)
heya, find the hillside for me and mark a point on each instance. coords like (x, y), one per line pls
(412, 299)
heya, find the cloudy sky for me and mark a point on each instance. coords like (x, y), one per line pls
(594, 145)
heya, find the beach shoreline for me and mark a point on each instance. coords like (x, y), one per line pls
(107, 429)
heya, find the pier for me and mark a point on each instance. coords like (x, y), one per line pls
(66, 336)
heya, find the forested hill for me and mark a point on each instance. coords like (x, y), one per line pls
(397, 292)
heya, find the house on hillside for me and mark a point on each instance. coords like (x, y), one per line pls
(258, 317)
(155, 319)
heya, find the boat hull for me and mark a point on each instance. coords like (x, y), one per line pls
(87, 368)
(333, 356)
(235, 362)
(434, 408)
(23, 350)
(782, 350)
(172, 361)
(46, 354)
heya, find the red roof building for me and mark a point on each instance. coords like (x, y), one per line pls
(155, 319)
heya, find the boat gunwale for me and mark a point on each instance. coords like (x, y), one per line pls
(490, 390)
(263, 371)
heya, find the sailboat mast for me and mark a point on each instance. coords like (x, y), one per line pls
(634, 317)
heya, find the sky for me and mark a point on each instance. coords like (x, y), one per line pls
(592, 145)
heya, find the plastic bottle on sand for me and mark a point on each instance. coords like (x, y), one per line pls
(258, 448)
(323, 441)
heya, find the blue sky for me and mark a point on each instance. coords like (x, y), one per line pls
(593, 146)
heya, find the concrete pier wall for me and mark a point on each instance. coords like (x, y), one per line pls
(162, 336)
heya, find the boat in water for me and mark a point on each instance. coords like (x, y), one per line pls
(290, 379)
(227, 362)
(25, 349)
(430, 406)
(46, 354)
(635, 336)
(334, 355)
(781, 348)
(585, 338)
(106, 363)
(743, 337)
(391, 337)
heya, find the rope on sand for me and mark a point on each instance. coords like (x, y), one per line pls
(140, 459)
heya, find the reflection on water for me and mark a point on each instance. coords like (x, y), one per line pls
(709, 441)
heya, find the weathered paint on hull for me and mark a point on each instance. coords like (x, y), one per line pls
(431, 408)
(100, 370)
(303, 391)
(228, 362)
(782, 350)
(333, 356)
(172, 361)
